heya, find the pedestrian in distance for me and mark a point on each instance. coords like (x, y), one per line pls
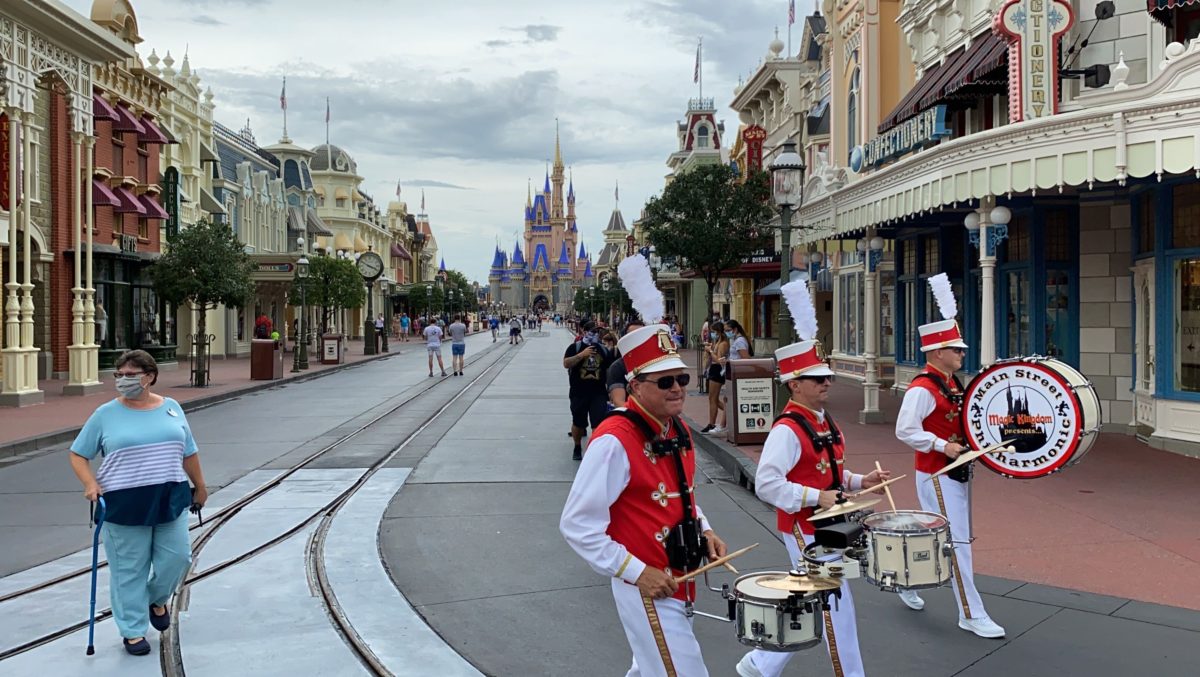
(405, 323)
(148, 458)
(379, 326)
(433, 346)
(616, 383)
(716, 348)
(458, 345)
(514, 330)
(494, 325)
(587, 362)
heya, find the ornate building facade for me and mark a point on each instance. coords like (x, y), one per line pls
(545, 273)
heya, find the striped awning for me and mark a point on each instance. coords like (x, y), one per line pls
(399, 252)
(962, 68)
(102, 109)
(1161, 9)
(102, 195)
(126, 121)
(153, 209)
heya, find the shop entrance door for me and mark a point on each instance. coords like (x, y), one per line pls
(1143, 348)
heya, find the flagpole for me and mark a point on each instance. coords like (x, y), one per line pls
(328, 149)
(283, 100)
(700, 57)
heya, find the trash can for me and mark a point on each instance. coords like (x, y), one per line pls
(331, 349)
(266, 360)
(751, 406)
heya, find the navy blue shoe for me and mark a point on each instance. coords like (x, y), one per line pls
(138, 648)
(160, 623)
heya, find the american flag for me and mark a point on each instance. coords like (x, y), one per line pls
(791, 12)
(326, 110)
(283, 95)
(397, 187)
(696, 73)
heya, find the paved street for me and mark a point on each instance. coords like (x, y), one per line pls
(466, 512)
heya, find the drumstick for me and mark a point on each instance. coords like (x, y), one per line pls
(715, 563)
(730, 568)
(886, 489)
(882, 485)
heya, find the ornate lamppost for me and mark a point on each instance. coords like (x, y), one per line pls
(787, 180)
(300, 358)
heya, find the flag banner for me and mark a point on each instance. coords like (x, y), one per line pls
(283, 95)
(326, 110)
(696, 73)
(791, 12)
(397, 188)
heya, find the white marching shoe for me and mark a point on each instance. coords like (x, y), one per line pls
(912, 600)
(984, 627)
(745, 667)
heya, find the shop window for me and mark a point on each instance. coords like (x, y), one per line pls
(1146, 224)
(1057, 229)
(241, 324)
(851, 303)
(1186, 222)
(1018, 310)
(908, 341)
(887, 324)
(1058, 313)
(933, 260)
(1187, 325)
(1017, 244)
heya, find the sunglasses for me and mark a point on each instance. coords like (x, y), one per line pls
(667, 382)
(960, 351)
(817, 379)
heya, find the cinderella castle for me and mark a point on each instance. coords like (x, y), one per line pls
(552, 264)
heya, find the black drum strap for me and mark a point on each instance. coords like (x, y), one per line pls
(943, 387)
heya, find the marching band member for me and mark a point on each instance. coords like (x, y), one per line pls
(631, 513)
(930, 423)
(801, 469)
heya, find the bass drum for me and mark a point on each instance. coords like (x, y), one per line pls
(1044, 409)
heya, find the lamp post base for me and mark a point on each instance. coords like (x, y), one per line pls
(368, 338)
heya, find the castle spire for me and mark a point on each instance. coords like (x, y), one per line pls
(528, 193)
(557, 148)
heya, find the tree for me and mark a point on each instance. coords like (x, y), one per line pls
(464, 291)
(422, 301)
(333, 284)
(204, 266)
(709, 221)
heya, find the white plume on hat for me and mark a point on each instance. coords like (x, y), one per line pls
(944, 295)
(634, 272)
(800, 305)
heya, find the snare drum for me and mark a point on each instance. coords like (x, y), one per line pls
(907, 550)
(776, 620)
(1043, 408)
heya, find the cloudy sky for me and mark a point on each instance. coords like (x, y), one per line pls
(459, 98)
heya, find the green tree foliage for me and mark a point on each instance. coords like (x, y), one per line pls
(709, 221)
(425, 298)
(204, 266)
(464, 291)
(333, 284)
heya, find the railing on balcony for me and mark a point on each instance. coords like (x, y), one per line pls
(705, 104)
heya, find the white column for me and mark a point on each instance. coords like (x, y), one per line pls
(82, 377)
(987, 276)
(89, 290)
(12, 306)
(20, 357)
(870, 412)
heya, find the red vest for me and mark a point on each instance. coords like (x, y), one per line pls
(650, 505)
(812, 470)
(945, 421)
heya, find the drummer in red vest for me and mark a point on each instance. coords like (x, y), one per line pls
(800, 469)
(930, 422)
(631, 513)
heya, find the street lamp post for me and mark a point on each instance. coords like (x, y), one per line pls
(428, 300)
(787, 181)
(300, 358)
(387, 315)
(988, 228)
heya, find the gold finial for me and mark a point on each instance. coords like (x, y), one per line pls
(529, 192)
(558, 163)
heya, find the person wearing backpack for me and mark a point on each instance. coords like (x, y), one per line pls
(587, 362)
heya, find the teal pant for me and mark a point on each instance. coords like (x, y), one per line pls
(144, 566)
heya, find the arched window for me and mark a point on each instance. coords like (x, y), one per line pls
(852, 111)
(702, 136)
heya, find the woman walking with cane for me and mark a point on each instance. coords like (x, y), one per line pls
(148, 457)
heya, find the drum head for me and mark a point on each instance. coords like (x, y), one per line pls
(1030, 405)
(904, 521)
(747, 586)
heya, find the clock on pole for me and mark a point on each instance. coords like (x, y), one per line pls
(370, 266)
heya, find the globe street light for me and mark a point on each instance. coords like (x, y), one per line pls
(787, 180)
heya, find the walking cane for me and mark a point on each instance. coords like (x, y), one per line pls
(98, 517)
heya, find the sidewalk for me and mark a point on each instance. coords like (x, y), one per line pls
(59, 418)
(1123, 522)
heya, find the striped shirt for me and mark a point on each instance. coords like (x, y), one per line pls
(141, 474)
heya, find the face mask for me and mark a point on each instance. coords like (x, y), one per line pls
(591, 338)
(729, 334)
(130, 386)
(712, 336)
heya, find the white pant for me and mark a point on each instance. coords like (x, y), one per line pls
(845, 628)
(682, 647)
(955, 507)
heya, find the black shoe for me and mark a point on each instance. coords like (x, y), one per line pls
(160, 623)
(577, 455)
(138, 648)
(707, 428)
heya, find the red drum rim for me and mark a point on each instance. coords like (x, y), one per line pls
(1074, 433)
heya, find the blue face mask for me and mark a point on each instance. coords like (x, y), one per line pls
(729, 334)
(712, 336)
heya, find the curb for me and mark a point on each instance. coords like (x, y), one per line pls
(726, 455)
(44, 441)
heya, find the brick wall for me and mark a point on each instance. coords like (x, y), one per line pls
(60, 191)
(1105, 307)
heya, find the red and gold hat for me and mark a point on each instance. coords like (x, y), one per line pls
(649, 350)
(941, 334)
(801, 359)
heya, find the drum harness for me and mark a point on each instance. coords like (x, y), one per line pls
(965, 472)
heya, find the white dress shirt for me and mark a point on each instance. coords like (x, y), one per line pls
(781, 453)
(602, 476)
(918, 404)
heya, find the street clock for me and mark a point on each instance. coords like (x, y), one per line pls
(370, 266)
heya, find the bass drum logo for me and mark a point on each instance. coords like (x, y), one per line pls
(1029, 407)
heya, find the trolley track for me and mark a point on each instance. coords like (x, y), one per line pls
(224, 515)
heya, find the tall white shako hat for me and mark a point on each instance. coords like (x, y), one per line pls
(944, 333)
(805, 357)
(650, 349)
